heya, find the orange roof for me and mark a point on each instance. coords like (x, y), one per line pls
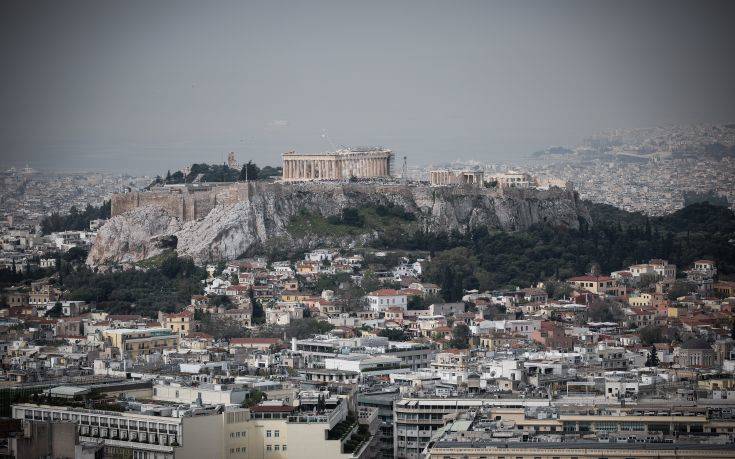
(178, 314)
(590, 279)
(386, 292)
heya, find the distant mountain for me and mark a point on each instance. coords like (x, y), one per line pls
(553, 151)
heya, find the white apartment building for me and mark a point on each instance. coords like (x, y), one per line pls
(382, 299)
(208, 394)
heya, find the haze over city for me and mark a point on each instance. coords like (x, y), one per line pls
(143, 87)
(367, 230)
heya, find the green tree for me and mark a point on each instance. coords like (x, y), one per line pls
(651, 334)
(250, 172)
(394, 334)
(605, 311)
(258, 311)
(56, 310)
(680, 288)
(652, 359)
(454, 271)
(460, 336)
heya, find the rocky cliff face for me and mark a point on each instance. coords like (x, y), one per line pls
(229, 231)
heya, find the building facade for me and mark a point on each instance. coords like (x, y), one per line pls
(443, 177)
(339, 165)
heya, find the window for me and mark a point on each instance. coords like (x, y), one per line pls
(283, 447)
(267, 433)
(276, 433)
(277, 447)
(268, 447)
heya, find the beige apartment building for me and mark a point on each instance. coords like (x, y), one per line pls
(135, 342)
(593, 284)
(180, 323)
(165, 432)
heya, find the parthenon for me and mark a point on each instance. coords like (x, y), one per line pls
(338, 165)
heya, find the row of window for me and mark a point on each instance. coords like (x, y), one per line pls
(237, 434)
(275, 447)
(276, 433)
(100, 421)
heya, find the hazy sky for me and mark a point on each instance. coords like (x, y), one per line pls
(145, 86)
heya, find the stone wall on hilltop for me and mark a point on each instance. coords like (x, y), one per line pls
(262, 211)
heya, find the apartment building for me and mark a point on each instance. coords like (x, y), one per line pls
(316, 350)
(210, 394)
(420, 421)
(417, 419)
(598, 285)
(154, 433)
(320, 428)
(179, 323)
(141, 341)
(576, 450)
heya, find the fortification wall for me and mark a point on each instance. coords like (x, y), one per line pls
(183, 203)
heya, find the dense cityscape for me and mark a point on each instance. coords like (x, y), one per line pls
(524, 248)
(358, 351)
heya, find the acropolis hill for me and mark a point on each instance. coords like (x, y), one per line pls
(185, 202)
(226, 221)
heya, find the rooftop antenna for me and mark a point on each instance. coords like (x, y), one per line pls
(325, 136)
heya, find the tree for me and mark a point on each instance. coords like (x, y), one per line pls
(76, 254)
(56, 310)
(258, 312)
(420, 302)
(652, 360)
(221, 301)
(250, 172)
(454, 270)
(680, 288)
(352, 217)
(460, 336)
(369, 281)
(650, 335)
(394, 334)
(605, 311)
(254, 397)
(222, 328)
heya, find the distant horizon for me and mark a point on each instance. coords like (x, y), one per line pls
(141, 86)
(192, 152)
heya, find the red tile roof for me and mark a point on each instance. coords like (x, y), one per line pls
(242, 341)
(385, 292)
(590, 279)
